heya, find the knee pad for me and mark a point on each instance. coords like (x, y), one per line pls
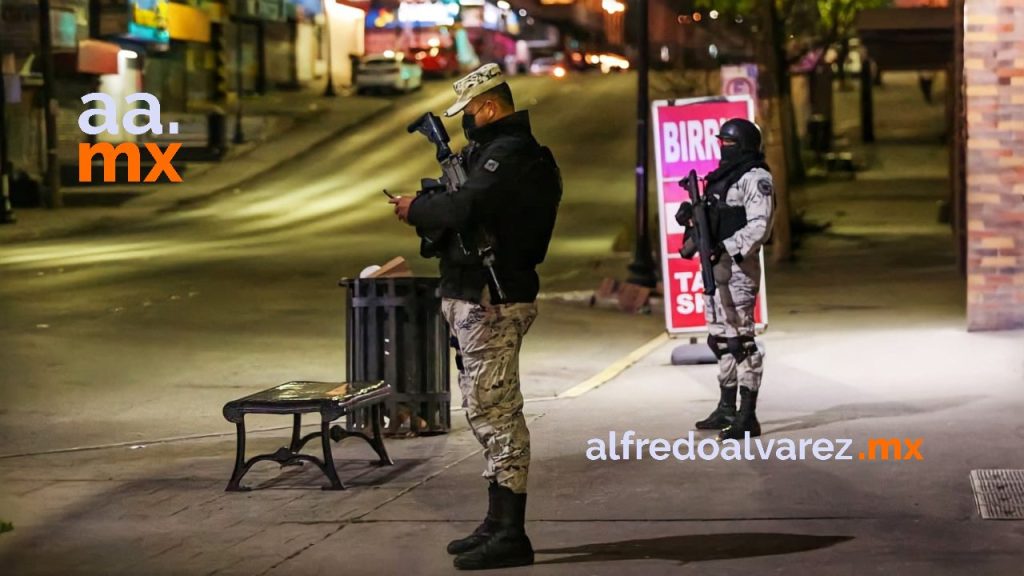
(741, 347)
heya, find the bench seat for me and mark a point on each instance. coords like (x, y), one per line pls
(331, 400)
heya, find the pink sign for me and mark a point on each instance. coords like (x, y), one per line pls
(684, 296)
(684, 138)
(686, 135)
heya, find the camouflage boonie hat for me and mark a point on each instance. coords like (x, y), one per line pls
(474, 84)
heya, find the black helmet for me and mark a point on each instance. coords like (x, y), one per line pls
(743, 133)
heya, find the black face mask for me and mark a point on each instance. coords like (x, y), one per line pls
(468, 123)
(730, 154)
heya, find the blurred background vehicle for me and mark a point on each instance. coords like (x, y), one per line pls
(389, 71)
(609, 62)
(548, 66)
(437, 61)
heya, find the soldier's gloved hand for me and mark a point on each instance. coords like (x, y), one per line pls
(716, 253)
(689, 247)
(685, 214)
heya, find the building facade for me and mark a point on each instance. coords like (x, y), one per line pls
(993, 73)
(195, 56)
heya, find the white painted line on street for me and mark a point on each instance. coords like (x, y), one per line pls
(614, 369)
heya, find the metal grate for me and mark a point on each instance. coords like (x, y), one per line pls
(999, 493)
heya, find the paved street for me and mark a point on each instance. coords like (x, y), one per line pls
(149, 329)
(145, 332)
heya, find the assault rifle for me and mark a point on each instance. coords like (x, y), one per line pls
(453, 176)
(699, 236)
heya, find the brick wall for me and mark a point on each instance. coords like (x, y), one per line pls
(994, 85)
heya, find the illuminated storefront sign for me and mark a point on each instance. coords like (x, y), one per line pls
(512, 23)
(492, 16)
(147, 21)
(439, 13)
(189, 24)
(64, 29)
(418, 14)
(381, 18)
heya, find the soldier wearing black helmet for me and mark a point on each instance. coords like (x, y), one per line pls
(744, 184)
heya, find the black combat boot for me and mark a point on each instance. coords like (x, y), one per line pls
(746, 418)
(724, 413)
(489, 525)
(507, 546)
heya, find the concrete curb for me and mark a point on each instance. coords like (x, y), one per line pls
(616, 368)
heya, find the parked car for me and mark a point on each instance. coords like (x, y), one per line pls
(436, 61)
(388, 72)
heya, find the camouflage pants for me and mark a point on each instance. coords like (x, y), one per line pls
(730, 313)
(489, 339)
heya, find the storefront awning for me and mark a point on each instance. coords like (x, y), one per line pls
(97, 57)
(908, 38)
(188, 24)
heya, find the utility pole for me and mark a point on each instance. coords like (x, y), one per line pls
(867, 102)
(216, 119)
(775, 141)
(239, 137)
(261, 58)
(329, 90)
(6, 213)
(642, 268)
(52, 179)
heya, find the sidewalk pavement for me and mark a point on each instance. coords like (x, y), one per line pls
(866, 339)
(297, 122)
(865, 350)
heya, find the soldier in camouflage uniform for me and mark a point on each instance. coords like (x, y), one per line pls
(744, 183)
(509, 200)
(490, 338)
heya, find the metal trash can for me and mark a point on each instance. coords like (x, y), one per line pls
(395, 332)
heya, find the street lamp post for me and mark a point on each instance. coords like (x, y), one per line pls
(239, 137)
(53, 195)
(6, 213)
(642, 268)
(329, 90)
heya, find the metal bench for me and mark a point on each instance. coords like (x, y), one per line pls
(331, 400)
